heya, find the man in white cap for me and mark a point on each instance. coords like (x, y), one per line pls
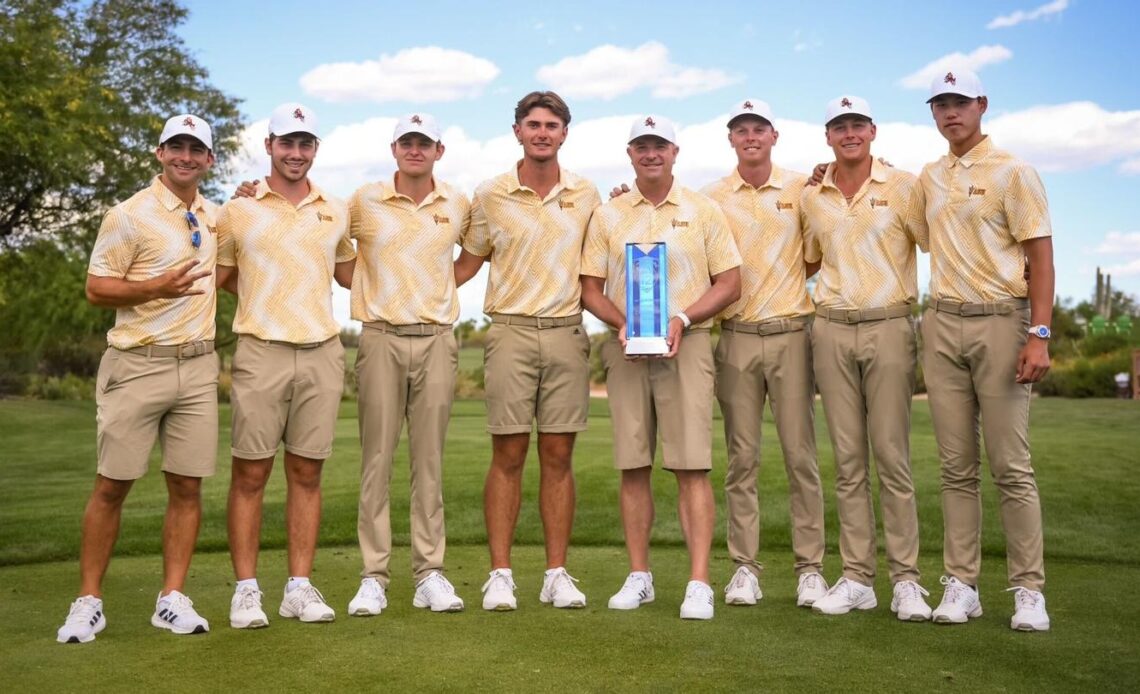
(159, 375)
(857, 225)
(671, 395)
(280, 250)
(530, 222)
(404, 293)
(764, 352)
(986, 341)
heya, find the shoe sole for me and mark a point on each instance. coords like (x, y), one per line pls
(251, 624)
(745, 602)
(869, 605)
(200, 629)
(364, 612)
(75, 639)
(1026, 626)
(697, 615)
(318, 620)
(454, 607)
(572, 605)
(501, 607)
(945, 619)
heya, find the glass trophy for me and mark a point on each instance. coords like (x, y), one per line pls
(646, 299)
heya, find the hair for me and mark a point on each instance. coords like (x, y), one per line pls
(548, 100)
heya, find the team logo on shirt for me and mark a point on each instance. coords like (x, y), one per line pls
(878, 202)
(845, 103)
(299, 114)
(973, 190)
(189, 122)
(650, 123)
(440, 219)
(679, 223)
(747, 105)
(565, 205)
(322, 217)
(783, 205)
(950, 78)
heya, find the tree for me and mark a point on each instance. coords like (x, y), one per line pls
(86, 90)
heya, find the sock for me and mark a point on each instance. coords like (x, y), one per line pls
(296, 582)
(557, 568)
(246, 583)
(643, 574)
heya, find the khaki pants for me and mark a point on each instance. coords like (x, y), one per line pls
(970, 365)
(403, 378)
(752, 367)
(865, 373)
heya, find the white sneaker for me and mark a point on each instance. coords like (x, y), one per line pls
(370, 599)
(908, 604)
(844, 596)
(245, 609)
(635, 592)
(1030, 614)
(811, 587)
(499, 591)
(436, 592)
(698, 602)
(307, 604)
(84, 620)
(959, 603)
(176, 613)
(743, 589)
(558, 587)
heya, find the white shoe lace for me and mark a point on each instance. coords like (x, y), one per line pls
(249, 599)
(955, 589)
(307, 595)
(635, 585)
(812, 581)
(436, 584)
(370, 588)
(698, 591)
(83, 611)
(909, 590)
(499, 580)
(844, 588)
(562, 580)
(178, 603)
(1024, 599)
(740, 580)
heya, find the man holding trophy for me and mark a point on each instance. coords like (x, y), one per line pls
(658, 265)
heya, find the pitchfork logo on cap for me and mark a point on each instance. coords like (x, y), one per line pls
(747, 105)
(950, 78)
(650, 123)
(189, 122)
(417, 120)
(299, 114)
(846, 103)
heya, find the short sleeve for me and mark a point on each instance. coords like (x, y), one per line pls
(813, 253)
(720, 246)
(596, 247)
(114, 250)
(1026, 206)
(226, 253)
(478, 238)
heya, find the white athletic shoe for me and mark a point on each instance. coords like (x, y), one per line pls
(635, 592)
(558, 588)
(908, 604)
(84, 620)
(307, 604)
(844, 596)
(811, 587)
(743, 589)
(698, 602)
(245, 609)
(959, 603)
(1030, 614)
(436, 592)
(370, 599)
(499, 591)
(175, 612)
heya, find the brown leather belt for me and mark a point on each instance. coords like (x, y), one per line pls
(184, 351)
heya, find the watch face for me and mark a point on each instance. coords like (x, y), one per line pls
(1041, 331)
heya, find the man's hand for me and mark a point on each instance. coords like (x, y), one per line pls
(820, 169)
(623, 340)
(673, 339)
(619, 190)
(247, 189)
(1033, 361)
(179, 282)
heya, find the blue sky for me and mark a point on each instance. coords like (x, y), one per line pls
(1061, 76)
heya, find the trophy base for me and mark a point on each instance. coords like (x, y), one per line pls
(645, 346)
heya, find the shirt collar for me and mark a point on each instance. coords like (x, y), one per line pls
(879, 174)
(315, 192)
(171, 201)
(566, 180)
(976, 154)
(388, 190)
(673, 197)
(775, 179)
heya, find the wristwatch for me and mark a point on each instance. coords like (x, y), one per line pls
(1041, 331)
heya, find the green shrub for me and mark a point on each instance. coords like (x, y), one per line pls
(1086, 377)
(67, 387)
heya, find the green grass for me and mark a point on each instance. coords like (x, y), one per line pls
(1084, 453)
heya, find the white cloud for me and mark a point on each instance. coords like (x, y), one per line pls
(1073, 136)
(1130, 167)
(1125, 270)
(1120, 242)
(609, 71)
(976, 60)
(423, 74)
(1017, 17)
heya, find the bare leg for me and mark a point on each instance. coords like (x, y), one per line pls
(243, 513)
(302, 511)
(556, 494)
(697, 511)
(180, 529)
(502, 494)
(100, 530)
(637, 515)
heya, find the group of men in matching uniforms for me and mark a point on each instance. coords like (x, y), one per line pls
(741, 252)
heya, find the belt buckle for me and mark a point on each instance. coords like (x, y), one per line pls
(538, 323)
(853, 315)
(972, 310)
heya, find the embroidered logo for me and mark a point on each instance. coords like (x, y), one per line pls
(322, 217)
(189, 122)
(679, 223)
(845, 103)
(950, 78)
(747, 105)
(878, 202)
(975, 191)
(299, 115)
(440, 219)
(565, 205)
(649, 123)
(783, 205)
(417, 120)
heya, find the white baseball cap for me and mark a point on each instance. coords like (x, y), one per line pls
(963, 82)
(187, 124)
(847, 105)
(422, 123)
(751, 107)
(293, 118)
(658, 126)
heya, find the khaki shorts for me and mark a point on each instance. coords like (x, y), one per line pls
(139, 398)
(673, 397)
(534, 374)
(285, 393)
